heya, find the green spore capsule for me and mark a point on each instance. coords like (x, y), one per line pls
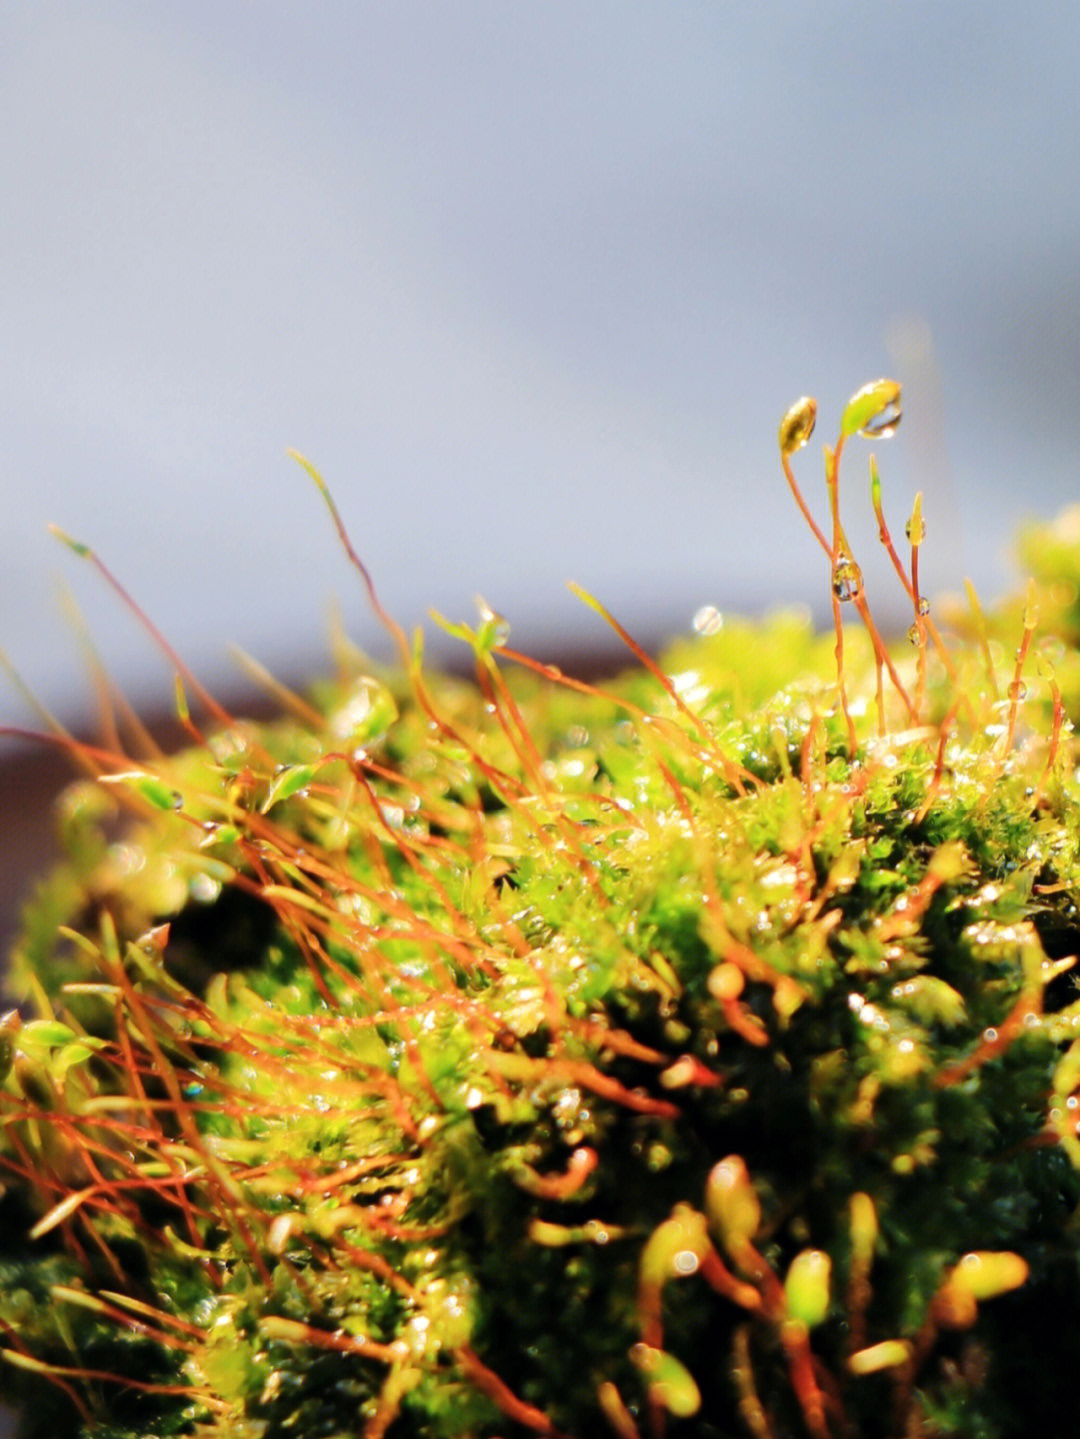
(797, 425)
(670, 1383)
(806, 1287)
(873, 411)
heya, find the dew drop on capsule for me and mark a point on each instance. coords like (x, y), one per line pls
(847, 581)
(915, 529)
(798, 425)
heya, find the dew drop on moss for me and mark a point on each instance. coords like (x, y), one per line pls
(847, 581)
(657, 1157)
(708, 620)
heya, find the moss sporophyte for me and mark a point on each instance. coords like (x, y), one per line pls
(697, 1055)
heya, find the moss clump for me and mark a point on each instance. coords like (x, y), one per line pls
(692, 1057)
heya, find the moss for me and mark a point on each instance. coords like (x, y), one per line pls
(694, 1057)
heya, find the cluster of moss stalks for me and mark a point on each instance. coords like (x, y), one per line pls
(695, 1055)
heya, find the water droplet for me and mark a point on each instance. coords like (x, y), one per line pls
(708, 620)
(915, 529)
(204, 888)
(847, 581)
(874, 412)
(924, 606)
(1018, 690)
(915, 636)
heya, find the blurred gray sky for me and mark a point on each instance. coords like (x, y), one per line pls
(532, 285)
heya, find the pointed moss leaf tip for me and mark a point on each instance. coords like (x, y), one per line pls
(873, 411)
(289, 780)
(83, 551)
(586, 598)
(797, 425)
(183, 710)
(152, 789)
(915, 529)
(454, 628)
(311, 470)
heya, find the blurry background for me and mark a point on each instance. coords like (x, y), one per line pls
(532, 285)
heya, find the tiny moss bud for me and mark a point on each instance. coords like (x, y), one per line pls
(984, 1275)
(726, 981)
(806, 1287)
(864, 1228)
(889, 1354)
(670, 1383)
(675, 1248)
(732, 1204)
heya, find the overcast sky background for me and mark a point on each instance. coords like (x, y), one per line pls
(532, 284)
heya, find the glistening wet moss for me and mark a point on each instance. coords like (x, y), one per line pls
(695, 1057)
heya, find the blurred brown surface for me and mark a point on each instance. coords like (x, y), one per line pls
(28, 782)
